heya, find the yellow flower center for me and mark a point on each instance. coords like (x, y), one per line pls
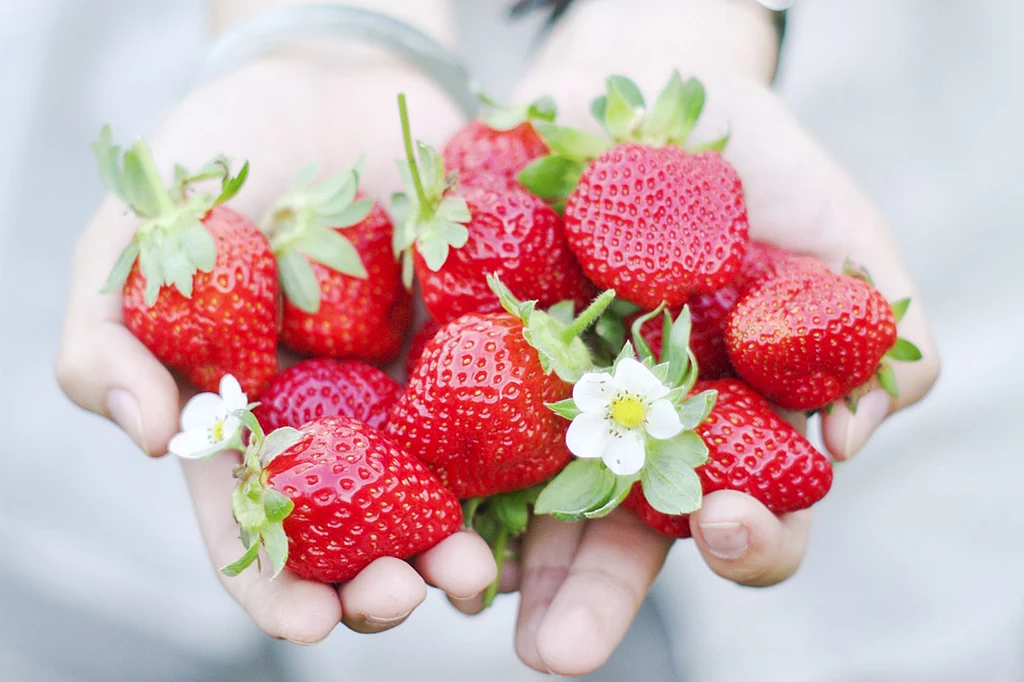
(628, 411)
(217, 432)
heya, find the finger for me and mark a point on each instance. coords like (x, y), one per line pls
(742, 541)
(509, 583)
(286, 607)
(615, 565)
(381, 596)
(461, 565)
(548, 550)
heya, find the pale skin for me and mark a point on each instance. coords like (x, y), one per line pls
(581, 584)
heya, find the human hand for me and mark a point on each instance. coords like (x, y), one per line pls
(280, 114)
(583, 583)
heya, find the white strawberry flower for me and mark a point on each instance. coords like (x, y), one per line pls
(617, 412)
(208, 423)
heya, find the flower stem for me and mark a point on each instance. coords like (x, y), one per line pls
(500, 542)
(414, 170)
(588, 316)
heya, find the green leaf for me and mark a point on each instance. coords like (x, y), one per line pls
(298, 280)
(304, 178)
(598, 108)
(675, 347)
(277, 441)
(175, 264)
(247, 504)
(330, 248)
(276, 506)
(543, 108)
(512, 511)
(353, 214)
(400, 209)
(612, 330)
(904, 351)
(564, 408)
(231, 185)
(899, 309)
(407, 270)
(662, 123)
(434, 249)
(454, 209)
(623, 484)
(108, 158)
(582, 486)
(622, 115)
(551, 177)
(571, 143)
(335, 193)
(243, 563)
(149, 265)
(276, 543)
(692, 100)
(138, 185)
(716, 145)
(563, 311)
(887, 379)
(627, 89)
(431, 171)
(695, 410)
(200, 246)
(669, 481)
(122, 268)
(643, 349)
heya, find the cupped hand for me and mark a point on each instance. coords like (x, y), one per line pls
(279, 114)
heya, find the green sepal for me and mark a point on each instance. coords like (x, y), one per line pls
(716, 145)
(501, 117)
(670, 482)
(584, 485)
(122, 268)
(571, 143)
(276, 506)
(251, 554)
(277, 441)
(899, 309)
(696, 409)
(512, 511)
(564, 408)
(623, 484)
(563, 311)
(200, 247)
(623, 108)
(551, 178)
(887, 380)
(675, 346)
(275, 542)
(851, 268)
(230, 186)
(675, 112)
(643, 349)
(904, 351)
(298, 280)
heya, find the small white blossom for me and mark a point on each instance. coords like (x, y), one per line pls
(207, 423)
(616, 411)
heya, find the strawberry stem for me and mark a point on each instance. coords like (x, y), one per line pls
(500, 543)
(588, 316)
(414, 170)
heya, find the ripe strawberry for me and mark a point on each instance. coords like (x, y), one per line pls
(331, 498)
(806, 340)
(343, 291)
(198, 279)
(474, 410)
(423, 335)
(326, 388)
(764, 261)
(453, 240)
(752, 450)
(495, 148)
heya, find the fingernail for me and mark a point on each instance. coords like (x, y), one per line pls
(726, 540)
(871, 410)
(124, 409)
(375, 620)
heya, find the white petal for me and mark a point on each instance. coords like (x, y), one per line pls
(588, 435)
(593, 392)
(625, 455)
(191, 444)
(231, 392)
(232, 425)
(663, 420)
(632, 376)
(202, 411)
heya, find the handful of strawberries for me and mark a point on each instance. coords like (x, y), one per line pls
(602, 332)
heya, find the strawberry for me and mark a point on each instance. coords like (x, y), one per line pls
(805, 340)
(331, 498)
(646, 217)
(343, 291)
(453, 239)
(326, 388)
(764, 261)
(423, 335)
(198, 280)
(494, 148)
(751, 450)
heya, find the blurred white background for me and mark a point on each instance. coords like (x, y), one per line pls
(915, 565)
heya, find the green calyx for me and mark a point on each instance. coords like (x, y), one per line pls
(258, 509)
(172, 244)
(425, 218)
(498, 116)
(304, 226)
(588, 489)
(498, 519)
(553, 334)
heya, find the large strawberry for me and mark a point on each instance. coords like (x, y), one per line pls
(322, 387)
(329, 499)
(426, 331)
(751, 450)
(343, 292)
(454, 239)
(806, 339)
(494, 148)
(198, 279)
(646, 217)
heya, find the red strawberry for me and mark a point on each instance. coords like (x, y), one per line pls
(751, 450)
(455, 239)
(338, 496)
(343, 291)
(497, 147)
(198, 279)
(764, 261)
(327, 388)
(658, 224)
(474, 410)
(423, 335)
(806, 340)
